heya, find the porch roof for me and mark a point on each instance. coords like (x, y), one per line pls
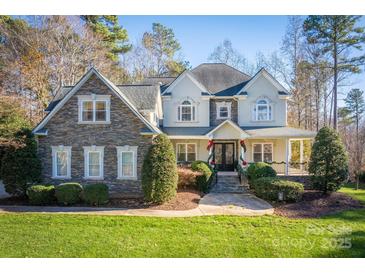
(253, 132)
(278, 132)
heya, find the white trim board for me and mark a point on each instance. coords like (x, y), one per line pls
(110, 85)
(245, 135)
(186, 73)
(263, 73)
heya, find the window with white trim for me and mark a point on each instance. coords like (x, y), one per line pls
(127, 162)
(61, 162)
(186, 152)
(186, 111)
(94, 162)
(94, 108)
(262, 110)
(262, 152)
(223, 110)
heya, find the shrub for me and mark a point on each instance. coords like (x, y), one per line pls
(195, 164)
(292, 191)
(159, 171)
(328, 164)
(41, 194)
(204, 180)
(259, 170)
(268, 188)
(20, 166)
(96, 194)
(68, 193)
(187, 178)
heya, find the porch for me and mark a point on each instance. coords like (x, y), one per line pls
(226, 153)
(227, 145)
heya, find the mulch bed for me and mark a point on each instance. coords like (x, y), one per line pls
(185, 199)
(315, 204)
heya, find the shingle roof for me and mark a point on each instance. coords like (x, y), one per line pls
(220, 79)
(141, 96)
(186, 131)
(254, 132)
(275, 132)
(155, 80)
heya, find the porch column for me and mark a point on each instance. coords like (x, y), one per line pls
(287, 155)
(301, 147)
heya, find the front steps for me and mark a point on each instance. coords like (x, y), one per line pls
(228, 182)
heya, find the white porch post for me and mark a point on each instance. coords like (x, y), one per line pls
(287, 155)
(301, 146)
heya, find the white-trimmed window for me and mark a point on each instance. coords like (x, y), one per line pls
(262, 152)
(186, 152)
(94, 109)
(263, 110)
(94, 162)
(186, 111)
(127, 162)
(61, 162)
(223, 110)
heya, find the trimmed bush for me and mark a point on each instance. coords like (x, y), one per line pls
(159, 171)
(96, 194)
(68, 193)
(328, 164)
(41, 194)
(259, 170)
(195, 165)
(204, 180)
(268, 188)
(187, 178)
(20, 166)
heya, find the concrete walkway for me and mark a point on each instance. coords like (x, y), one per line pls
(211, 204)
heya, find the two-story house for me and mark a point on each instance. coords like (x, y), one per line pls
(100, 131)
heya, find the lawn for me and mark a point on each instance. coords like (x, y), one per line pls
(46, 235)
(358, 194)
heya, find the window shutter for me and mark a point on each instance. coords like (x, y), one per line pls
(178, 113)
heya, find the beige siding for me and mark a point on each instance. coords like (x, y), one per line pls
(262, 88)
(202, 152)
(278, 151)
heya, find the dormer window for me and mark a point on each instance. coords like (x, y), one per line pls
(263, 110)
(94, 109)
(186, 112)
(223, 110)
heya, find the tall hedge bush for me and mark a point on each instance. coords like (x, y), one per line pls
(159, 171)
(21, 166)
(329, 161)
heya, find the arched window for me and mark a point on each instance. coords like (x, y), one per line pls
(186, 111)
(263, 110)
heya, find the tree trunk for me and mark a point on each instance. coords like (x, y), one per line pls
(335, 72)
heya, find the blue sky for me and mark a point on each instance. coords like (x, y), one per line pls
(199, 35)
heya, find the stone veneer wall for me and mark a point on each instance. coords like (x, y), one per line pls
(213, 111)
(124, 129)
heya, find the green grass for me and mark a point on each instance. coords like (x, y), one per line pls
(358, 194)
(46, 235)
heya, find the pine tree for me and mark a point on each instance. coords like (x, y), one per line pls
(162, 45)
(113, 34)
(336, 35)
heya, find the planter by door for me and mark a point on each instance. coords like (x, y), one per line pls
(224, 156)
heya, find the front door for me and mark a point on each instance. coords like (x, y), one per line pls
(224, 156)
